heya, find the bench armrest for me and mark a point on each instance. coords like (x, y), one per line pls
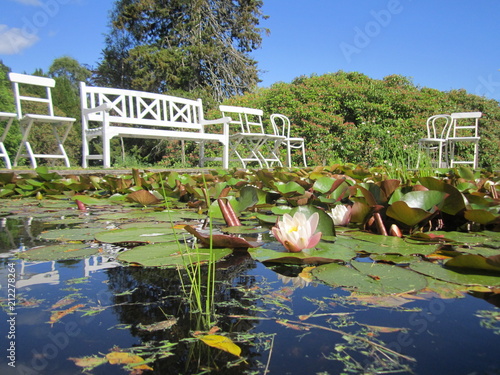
(222, 120)
(103, 107)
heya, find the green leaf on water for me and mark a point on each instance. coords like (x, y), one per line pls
(58, 252)
(371, 278)
(170, 254)
(140, 233)
(463, 278)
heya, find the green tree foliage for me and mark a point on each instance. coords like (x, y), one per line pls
(7, 104)
(187, 45)
(70, 69)
(349, 117)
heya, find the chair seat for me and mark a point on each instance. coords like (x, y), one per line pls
(47, 118)
(464, 139)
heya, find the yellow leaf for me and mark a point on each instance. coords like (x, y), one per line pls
(88, 362)
(123, 358)
(56, 315)
(221, 342)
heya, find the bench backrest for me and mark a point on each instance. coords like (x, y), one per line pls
(24, 79)
(247, 120)
(142, 108)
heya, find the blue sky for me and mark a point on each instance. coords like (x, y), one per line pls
(444, 44)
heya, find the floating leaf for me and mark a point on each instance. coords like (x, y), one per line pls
(438, 272)
(473, 261)
(57, 315)
(372, 278)
(88, 363)
(325, 252)
(58, 252)
(221, 342)
(122, 358)
(170, 254)
(70, 234)
(159, 326)
(140, 233)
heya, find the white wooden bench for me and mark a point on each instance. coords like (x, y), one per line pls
(108, 113)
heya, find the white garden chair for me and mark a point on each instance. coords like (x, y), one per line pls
(464, 129)
(435, 145)
(282, 126)
(61, 126)
(247, 138)
(9, 117)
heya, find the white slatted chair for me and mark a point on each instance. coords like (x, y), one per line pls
(464, 129)
(248, 139)
(283, 127)
(9, 117)
(61, 126)
(435, 145)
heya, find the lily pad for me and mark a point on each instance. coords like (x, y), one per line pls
(323, 253)
(70, 234)
(58, 252)
(371, 278)
(171, 254)
(140, 234)
(463, 278)
(473, 261)
(376, 244)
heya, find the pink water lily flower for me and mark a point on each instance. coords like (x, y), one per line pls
(297, 233)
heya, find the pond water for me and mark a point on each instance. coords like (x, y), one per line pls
(71, 314)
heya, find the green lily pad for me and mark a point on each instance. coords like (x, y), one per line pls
(244, 230)
(481, 216)
(325, 252)
(377, 244)
(405, 214)
(70, 234)
(463, 278)
(370, 278)
(171, 254)
(473, 261)
(140, 234)
(58, 252)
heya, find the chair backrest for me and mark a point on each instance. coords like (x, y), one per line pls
(249, 120)
(464, 124)
(281, 124)
(437, 126)
(24, 79)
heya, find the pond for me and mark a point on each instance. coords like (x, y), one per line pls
(96, 310)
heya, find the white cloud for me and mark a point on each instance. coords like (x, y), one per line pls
(29, 2)
(14, 40)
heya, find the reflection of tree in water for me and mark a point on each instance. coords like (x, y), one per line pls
(144, 296)
(15, 233)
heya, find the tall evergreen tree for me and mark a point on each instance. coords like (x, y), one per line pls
(190, 45)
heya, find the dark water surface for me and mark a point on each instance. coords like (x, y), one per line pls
(282, 323)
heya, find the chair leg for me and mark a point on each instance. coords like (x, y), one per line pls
(6, 158)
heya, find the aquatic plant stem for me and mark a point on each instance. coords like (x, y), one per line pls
(382, 349)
